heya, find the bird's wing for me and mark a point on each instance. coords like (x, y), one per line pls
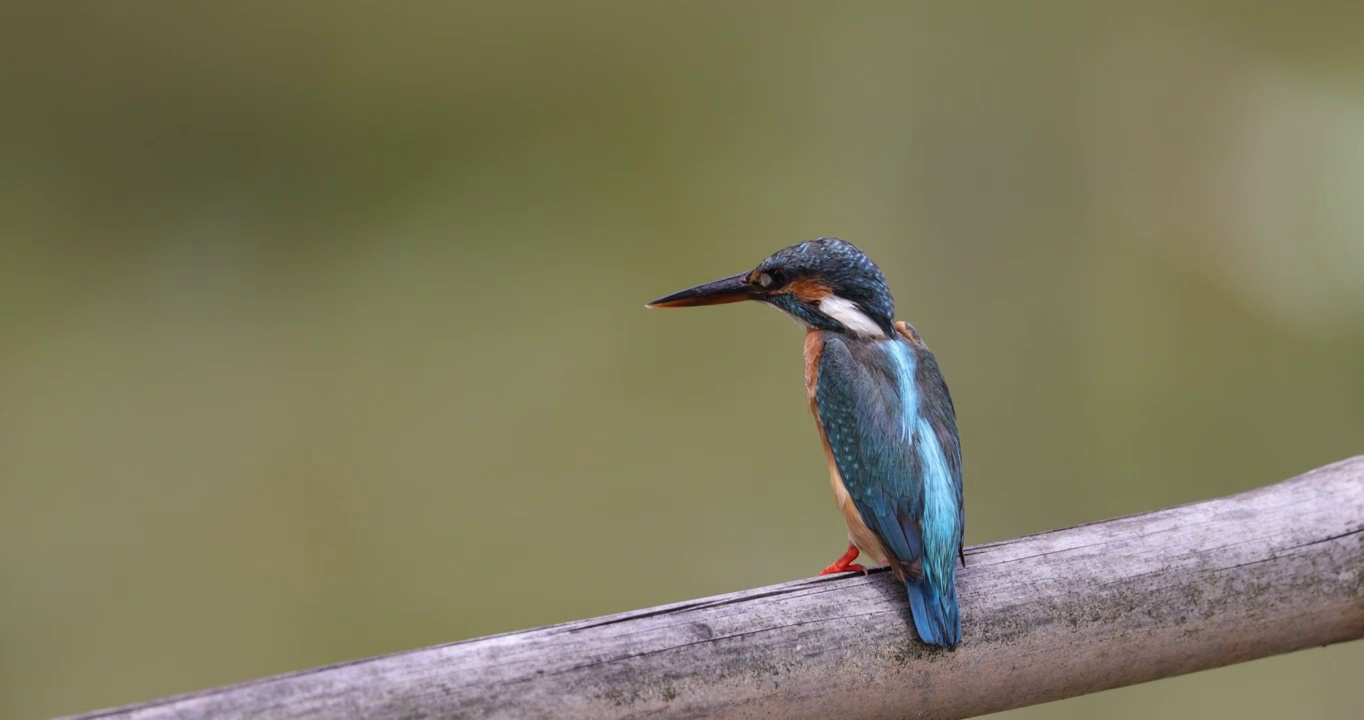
(889, 423)
(936, 406)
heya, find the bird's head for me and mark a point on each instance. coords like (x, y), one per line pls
(827, 284)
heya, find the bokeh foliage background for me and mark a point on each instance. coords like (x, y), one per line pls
(323, 332)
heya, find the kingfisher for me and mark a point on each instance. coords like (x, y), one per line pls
(883, 412)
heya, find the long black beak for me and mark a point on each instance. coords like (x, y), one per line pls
(731, 289)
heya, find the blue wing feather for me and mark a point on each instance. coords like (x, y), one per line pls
(892, 431)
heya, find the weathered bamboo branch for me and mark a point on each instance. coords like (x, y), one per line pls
(1046, 617)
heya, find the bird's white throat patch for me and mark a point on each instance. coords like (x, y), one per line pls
(846, 312)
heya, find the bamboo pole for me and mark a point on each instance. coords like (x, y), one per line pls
(1045, 617)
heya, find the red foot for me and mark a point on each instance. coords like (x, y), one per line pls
(845, 563)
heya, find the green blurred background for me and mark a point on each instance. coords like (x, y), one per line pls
(323, 329)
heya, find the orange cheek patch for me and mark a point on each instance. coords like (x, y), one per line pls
(809, 290)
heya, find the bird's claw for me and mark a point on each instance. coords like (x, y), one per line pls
(845, 563)
(850, 567)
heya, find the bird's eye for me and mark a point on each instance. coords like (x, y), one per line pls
(765, 280)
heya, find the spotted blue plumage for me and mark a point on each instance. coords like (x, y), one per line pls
(842, 266)
(888, 416)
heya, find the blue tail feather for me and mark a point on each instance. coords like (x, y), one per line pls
(935, 612)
